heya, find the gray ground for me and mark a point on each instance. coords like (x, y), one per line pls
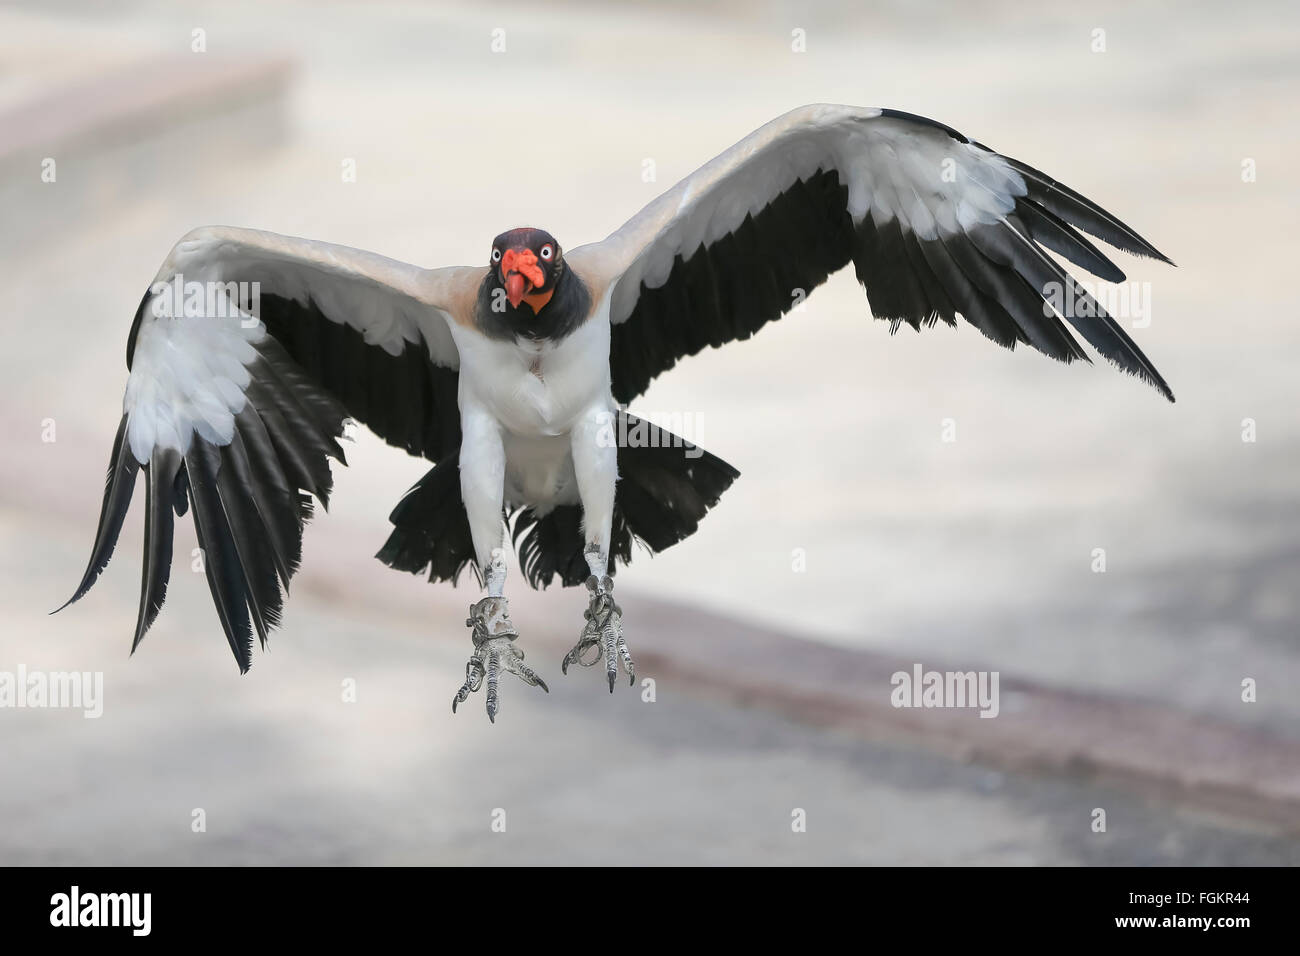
(975, 552)
(288, 773)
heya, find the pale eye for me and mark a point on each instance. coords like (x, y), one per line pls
(496, 255)
(547, 252)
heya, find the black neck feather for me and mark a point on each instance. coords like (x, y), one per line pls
(567, 309)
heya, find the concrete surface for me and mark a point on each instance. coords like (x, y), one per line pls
(286, 772)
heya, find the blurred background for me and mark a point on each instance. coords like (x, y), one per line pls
(857, 541)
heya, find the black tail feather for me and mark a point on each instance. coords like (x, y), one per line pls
(666, 485)
(551, 543)
(431, 530)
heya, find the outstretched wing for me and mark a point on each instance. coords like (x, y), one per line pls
(935, 225)
(248, 354)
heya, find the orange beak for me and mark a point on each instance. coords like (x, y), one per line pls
(519, 266)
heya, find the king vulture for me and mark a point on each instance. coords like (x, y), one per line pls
(511, 377)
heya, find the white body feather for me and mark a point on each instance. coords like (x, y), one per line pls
(531, 413)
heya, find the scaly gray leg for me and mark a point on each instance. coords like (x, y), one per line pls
(494, 647)
(603, 631)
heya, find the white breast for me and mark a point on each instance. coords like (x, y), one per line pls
(537, 389)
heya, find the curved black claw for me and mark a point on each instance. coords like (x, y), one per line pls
(473, 680)
(494, 649)
(603, 632)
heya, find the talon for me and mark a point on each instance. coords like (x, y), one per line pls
(628, 664)
(611, 660)
(493, 668)
(494, 636)
(602, 633)
(473, 677)
(525, 673)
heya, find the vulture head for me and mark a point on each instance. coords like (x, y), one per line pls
(527, 263)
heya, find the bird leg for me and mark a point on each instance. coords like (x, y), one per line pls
(494, 649)
(595, 465)
(604, 632)
(482, 470)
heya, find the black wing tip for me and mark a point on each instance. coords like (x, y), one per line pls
(1160, 386)
(1147, 251)
(1141, 247)
(1147, 375)
(87, 582)
(80, 593)
(140, 632)
(1084, 213)
(1144, 248)
(119, 488)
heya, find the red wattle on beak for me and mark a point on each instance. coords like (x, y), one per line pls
(518, 266)
(515, 289)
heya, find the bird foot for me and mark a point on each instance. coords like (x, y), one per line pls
(494, 649)
(604, 632)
